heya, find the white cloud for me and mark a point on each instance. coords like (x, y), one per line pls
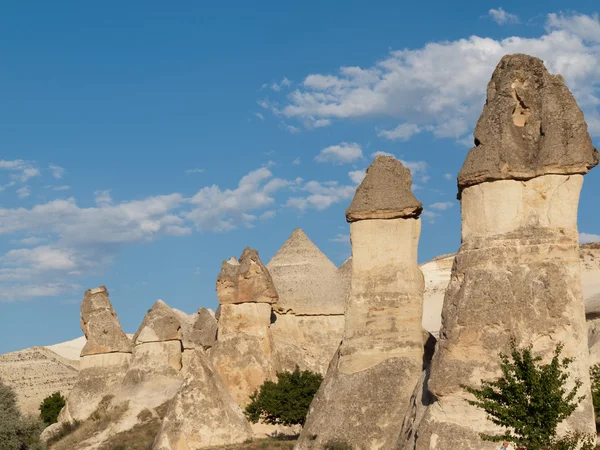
(259, 115)
(502, 17)
(448, 176)
(290, 128)
(60, 188)
(356, 176)
(7, 185)
(23, 192)
(24, 170)
(415, 167)
(321, 195)
(33, 240)
(402, 132)
(215, 209)
(279, 86)
(103, 198)
(380, 153)
(586, 238)
(344, 238)
(267, 215)
(296, 161)
(441, 87)
(344, 153)
(57, 171)
(442, 206)
(430, 216)
(191, 171)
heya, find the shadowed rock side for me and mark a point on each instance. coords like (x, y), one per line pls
(370, 380)
(517, 273)
(308, 320)
(203, 413)
(530, 126)
(104, 361)
(243, 353)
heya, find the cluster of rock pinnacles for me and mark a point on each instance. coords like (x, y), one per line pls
(516, 276)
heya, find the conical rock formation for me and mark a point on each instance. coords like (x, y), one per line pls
(517, 273)
(366, 391)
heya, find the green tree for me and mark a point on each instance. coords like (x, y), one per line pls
(16, 432)
(50, 408)
(286, 401)
(595, 379)
(530, 400)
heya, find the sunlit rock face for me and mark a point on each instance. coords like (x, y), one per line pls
(517, 273)
(243, 353)
(369, 382)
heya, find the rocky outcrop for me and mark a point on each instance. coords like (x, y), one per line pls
(204, 330)
(366, 391)
(308, 320)
(517, 273)
(245, 281)
(243, 353)
(101, 326)
(203, 413)
(104, 359)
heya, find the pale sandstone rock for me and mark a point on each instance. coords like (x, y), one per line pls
(368, 385)
(204, 331)
(308, 342)
(517, 273)
(243, 353)
(100, 325)
(36, 373)
(203, 413)
(246, 280)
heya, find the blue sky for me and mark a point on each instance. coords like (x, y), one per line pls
(142, 143)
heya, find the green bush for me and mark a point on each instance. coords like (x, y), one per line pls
(337, 445)
(17, 432)
(595, 380)
(285, 402)
(50, 408)
(530, 400)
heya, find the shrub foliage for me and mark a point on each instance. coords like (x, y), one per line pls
(50, 408)
(286, 401)
(530, 400)
(17, 432)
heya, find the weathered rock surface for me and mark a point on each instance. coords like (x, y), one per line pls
(101, 326)
(203, 413)
(307, 282)
(204, 330)
(245, 281)
(160, 324)
(100, 372)
(530, 126)
(308, 322)
(368, 385)
(384, 193)
(36, 373)
(243, 353)
(517, 273)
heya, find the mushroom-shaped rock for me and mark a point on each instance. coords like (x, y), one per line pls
(101, 326)
(531, 125)
(160, 324)
(369, 383)
(385, 193)
(245, 281)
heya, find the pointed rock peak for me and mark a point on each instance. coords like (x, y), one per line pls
(531, 125)
(299, 249)
(385, 193)
(347, 266)
(233, 261)
(161, 323)
(100, 325)
(247, 282)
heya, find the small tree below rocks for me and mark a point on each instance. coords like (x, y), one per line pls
(286, 401)
(530, 400)
(50, 408)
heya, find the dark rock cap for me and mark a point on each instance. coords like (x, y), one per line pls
(384, 193)
(531, 125)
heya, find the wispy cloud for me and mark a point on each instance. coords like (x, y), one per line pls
(57, 171)
(191, 171)
(586, 238)
(502, 17)
(442, 206)
(344, 153)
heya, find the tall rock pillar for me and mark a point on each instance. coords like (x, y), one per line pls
(517, 273)
(369, 381)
